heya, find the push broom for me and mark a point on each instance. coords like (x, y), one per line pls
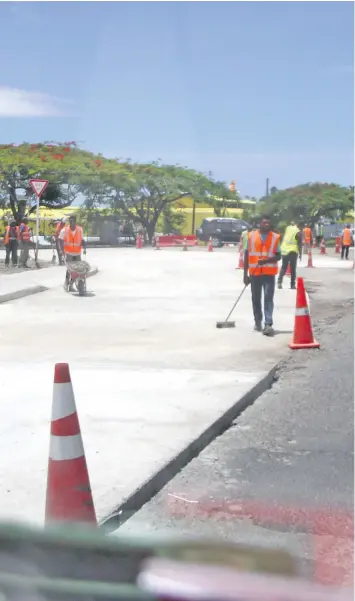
(231, 324)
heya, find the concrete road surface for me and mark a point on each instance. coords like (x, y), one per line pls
(283, 474)
(151, 373)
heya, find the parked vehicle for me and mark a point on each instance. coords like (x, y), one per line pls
(222, 230)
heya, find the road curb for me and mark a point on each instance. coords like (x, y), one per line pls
(155, 483)
(10, 296)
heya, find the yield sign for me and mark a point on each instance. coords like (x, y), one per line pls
(38, 186)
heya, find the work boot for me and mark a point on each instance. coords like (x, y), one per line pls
(268, 330)
(293, 286)
(279, 285)
(258, 326)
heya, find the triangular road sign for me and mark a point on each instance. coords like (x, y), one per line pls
(38, 186)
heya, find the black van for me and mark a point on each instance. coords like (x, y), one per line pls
(222, 230)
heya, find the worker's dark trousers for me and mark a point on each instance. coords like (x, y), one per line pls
(11, 250)
(266, 284)
(290, 258)
(345, 251)
(59, 252)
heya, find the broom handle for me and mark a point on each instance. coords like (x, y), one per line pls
(241, 294)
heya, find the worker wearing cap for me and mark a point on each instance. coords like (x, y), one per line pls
(346, 242)
(307, 238)
(73, 242)
(11, 241)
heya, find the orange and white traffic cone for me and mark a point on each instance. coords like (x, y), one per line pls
(157, 243)
(310, 259)
(210, 246)
(302, 334)
(241, 258)
(139, 241)
(184, 245)
(323, 248)
(288, 270)
(69, 496)
(337, 245)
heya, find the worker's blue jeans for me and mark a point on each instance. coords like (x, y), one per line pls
(266, 284)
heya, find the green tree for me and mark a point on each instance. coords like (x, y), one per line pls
(308, 203)
(143, 191)
(63, 165)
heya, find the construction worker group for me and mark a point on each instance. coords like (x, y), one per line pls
(263, 250)
(17, 237)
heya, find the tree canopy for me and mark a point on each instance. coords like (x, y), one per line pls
(308, 203)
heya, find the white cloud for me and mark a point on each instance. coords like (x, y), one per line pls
(20, 103)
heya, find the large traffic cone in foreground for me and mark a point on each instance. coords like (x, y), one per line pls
(69, 496)
(210, 246)
(310, 259)
(302, 334)
(241, 258)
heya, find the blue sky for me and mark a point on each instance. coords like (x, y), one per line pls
(247, 90)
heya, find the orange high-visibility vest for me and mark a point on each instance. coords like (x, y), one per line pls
(11, 233)
(307, 233)
(26, 233)
(73, 240)
(257, 249)
(346, 238)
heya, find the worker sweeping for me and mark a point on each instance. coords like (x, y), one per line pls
(291, 247)
(73, 242)
(261, 255)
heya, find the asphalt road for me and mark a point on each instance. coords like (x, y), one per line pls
(290, 454)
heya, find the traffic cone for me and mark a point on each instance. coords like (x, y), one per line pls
(184, 245)
(138, 241)
(288, 270)
(310, 259)
(302, 334)
(337, 245)
(157, 243)
(241, 258)
(323, 248)
(210, 246)
(69, 497)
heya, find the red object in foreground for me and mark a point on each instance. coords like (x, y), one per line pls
(302, 334)
(69, 497)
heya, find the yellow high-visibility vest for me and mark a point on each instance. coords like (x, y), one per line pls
(289, 242)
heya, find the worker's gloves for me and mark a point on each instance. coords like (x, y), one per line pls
(262, 262)
(246, 280)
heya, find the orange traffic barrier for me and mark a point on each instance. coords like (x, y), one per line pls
(241, 258)
(302, 333)
(323, 247)
(173, 241)
(210, 246)
(69, 496)
(310, 259)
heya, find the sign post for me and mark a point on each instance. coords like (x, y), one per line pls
(38, 186)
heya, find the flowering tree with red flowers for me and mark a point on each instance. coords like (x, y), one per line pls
(64, 165)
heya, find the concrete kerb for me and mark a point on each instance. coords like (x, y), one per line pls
(17, 294)
(153, 485)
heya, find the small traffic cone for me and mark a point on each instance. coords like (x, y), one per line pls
(337, 245)
(157, 243)
(288, 270)
(241, 258)
(315, 243)
(302, 334)
(138, 241)
(310, 259)
(210, 246)
(323, 248)
(184, 245)
(69, 497)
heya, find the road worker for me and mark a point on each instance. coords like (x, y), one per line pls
(307, 238)
(11, 241)
(291, 247)
(60, 226)
(25, 238)
(346, 241)
(73, 242)
(261, 254)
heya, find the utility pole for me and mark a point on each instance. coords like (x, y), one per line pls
(267, 186)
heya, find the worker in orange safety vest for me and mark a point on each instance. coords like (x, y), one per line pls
(59, 227)
(261, 253)
(307, 238)
(25, 238)
(72, 241)
(11, 241)
(346, 242)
